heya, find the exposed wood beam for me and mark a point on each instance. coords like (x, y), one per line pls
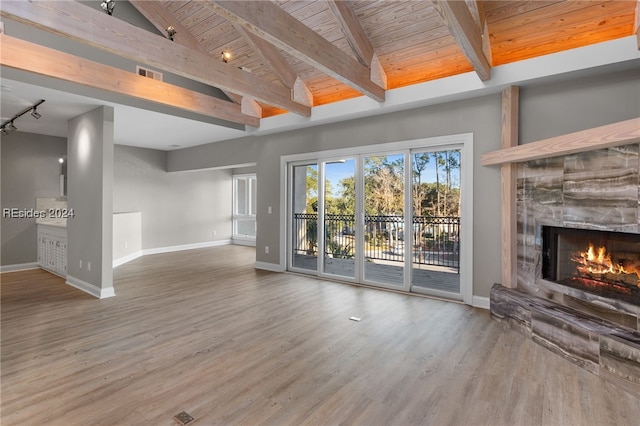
(161, 18)
(250, 107)
(378, 75)
(270, 22)
(30, 57)
(476, 7)
(350, 26)
(462, 27)
(607, 136)
(279, 66)
(271, 55)
(121, 38)
(358, 40)
(508, 186)
(301, 93)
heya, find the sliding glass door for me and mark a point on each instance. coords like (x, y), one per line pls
(304, 216)
(384, 220)
(339, 218)
(391, 219)
(436, 208)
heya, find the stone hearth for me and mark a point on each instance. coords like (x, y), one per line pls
(602, 347)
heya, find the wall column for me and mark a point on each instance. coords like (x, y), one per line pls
(90, 195)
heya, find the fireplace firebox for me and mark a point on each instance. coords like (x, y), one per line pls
(603, 263)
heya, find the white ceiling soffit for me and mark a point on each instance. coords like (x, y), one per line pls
(132, 126)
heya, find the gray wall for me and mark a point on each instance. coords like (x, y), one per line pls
(177, 208)
(547, 109)
(30, 169)
(90, 195)
(476, 115)
(578, 103)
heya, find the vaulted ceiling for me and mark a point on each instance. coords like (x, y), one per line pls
(290, 55)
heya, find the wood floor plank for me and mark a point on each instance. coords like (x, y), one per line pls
(204, 332)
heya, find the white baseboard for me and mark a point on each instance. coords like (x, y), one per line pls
(127, 258)
(100, 293)
(273, 267)
(168, 249)
(240, 242)
(19, 267)
(181, 247)
(480, 302)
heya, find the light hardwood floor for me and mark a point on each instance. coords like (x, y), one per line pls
(202, 331)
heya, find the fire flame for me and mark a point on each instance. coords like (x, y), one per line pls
(597, 262)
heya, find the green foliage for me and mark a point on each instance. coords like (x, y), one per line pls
(338, 250)
(384, 186)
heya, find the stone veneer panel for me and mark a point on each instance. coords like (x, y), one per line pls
(569, 340)
(601, 189)
(539, 195)
(620, 357)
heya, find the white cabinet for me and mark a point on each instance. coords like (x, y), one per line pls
(52, 249)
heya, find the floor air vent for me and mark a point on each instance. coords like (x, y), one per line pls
(183, 418)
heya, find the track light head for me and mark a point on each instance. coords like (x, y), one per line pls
(108, 6)
(8, 125)
(171, 32)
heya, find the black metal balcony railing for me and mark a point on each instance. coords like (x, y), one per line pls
(431, 240)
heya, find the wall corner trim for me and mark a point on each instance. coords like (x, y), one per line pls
(100, 293)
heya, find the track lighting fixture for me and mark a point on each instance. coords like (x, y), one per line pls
(226, 57)
(108, 6)
(9, 124)
(171, 32)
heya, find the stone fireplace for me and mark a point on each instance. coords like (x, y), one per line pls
(578, 260)
(592, 195)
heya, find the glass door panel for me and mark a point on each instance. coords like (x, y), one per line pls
(339, 213)
(435, 233)
(384, 227)
(304, 221)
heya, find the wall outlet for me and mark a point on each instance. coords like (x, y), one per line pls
(80, 263)
(126, 244)
(215, 232)
(89, 266)
(269, 210)
(266, 249)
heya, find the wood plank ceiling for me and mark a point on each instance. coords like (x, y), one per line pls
(411, 39)
(325, 51)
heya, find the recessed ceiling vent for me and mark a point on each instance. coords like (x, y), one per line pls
(145, 72)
